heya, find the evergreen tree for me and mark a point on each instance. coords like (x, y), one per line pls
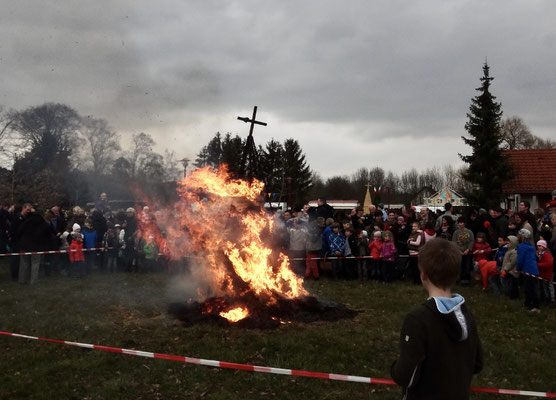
(296, 168)
(272, 165)
(210, 154)
(487, 168)
(231, 153)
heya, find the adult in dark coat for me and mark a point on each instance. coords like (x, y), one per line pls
(58, 223)
(17, 216)
(34, 234)
(498, 226)
(130, 230)
(4, 228)
(102, 203)
(99, 224)
(324, 209)
(525, 208)
(474, 223)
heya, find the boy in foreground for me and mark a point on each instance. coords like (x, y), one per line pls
(440, 348)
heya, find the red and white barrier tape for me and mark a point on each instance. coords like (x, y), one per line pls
(339, 258)
(536, 277)
(399, 256)
(35, 253)
(255, 368)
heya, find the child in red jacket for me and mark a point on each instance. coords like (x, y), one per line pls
(375, 248)
(76, 256)
(481, 249)
(545, 263)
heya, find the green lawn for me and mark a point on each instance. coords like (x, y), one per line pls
(129, 310)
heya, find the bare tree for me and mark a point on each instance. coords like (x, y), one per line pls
(102, 144)
(6, 122)
(50, 121)
(409, 182)
(49, 132)
(376, 176)
(541, 143)
(170, 163)
(460, 184)
(140, 153)
(450, 175)
(359, 180)
(431, 177)
(515, 134)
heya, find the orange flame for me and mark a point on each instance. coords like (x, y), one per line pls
(219, 221)
(235, 314)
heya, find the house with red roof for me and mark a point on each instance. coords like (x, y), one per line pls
(534, 177)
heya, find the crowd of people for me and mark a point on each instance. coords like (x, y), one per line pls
(94, 239)
(504, 250)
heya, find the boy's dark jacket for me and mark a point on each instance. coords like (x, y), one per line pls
(439, 354)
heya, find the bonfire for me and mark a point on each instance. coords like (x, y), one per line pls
(219, 224)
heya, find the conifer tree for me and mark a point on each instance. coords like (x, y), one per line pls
(210, 154)
(487, 167)
(232, 146)
(296, 168)
(272, 167)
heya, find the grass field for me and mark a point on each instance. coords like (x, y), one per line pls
(129, 310)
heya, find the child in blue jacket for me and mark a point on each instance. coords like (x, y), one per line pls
(337, 243)
(527, 264)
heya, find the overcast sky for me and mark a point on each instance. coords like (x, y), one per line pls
(357, 83)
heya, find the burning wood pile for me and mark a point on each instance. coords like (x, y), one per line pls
(241, 278)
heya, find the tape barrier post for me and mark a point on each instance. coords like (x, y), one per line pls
(255, 368)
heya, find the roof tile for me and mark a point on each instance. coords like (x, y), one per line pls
(534, 171)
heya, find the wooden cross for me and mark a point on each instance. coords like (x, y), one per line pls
(249, 158)
(253, 121)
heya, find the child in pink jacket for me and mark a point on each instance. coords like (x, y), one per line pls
(388, 256)
(545, 263)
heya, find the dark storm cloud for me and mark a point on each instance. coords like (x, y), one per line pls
(368, 71)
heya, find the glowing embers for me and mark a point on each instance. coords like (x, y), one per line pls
(216, 306)
(261, 315)
(235, 314)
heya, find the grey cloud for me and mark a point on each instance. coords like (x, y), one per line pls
(373, 69)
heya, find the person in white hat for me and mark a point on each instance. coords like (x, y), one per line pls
(527, 264)
(546, 266)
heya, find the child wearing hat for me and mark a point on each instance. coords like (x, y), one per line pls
(76, 256)
(527, 265)
(509, 273)
(375, 249)
(545, 263)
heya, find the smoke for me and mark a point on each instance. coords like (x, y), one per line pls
(190, 283)
(219, 237)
